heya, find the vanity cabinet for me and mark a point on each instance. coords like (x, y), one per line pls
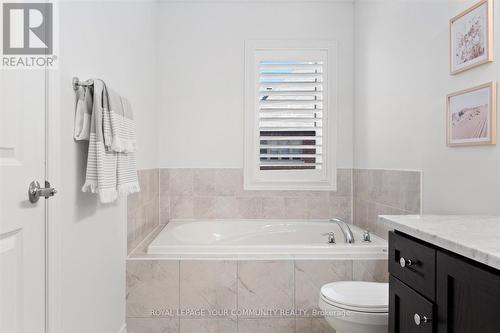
(433, 290)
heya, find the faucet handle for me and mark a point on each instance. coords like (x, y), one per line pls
(367, 236)
(331, 237)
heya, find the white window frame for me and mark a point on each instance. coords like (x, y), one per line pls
(298, 180)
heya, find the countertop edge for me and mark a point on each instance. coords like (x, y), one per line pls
(484, 257)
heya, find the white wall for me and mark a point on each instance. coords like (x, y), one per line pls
(114, 41)
(202, 72)
(401, 82)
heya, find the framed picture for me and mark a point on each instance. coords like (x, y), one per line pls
(471, 116)
(471, 37)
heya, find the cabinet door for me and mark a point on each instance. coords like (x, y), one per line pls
(409, 312)
(468, 296)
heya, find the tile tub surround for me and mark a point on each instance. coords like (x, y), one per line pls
(362, 195)
(154, 284)
(143, 208)
(219, 194)
(390, 192)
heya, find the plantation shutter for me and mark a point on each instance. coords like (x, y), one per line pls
(290, 114)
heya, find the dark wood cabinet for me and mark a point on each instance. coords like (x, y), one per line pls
(419, 268)
(404, 305)
(439, 291)
(468, 296)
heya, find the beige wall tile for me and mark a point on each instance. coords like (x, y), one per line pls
(151, 285)
(208, 284)
(179, 188)
(164, 181)
(303, 325)
(383, 231)
(379, 192)
(143, 208)
(226, 207)
(273, 207)
(313, 325)
(181, 182)
(134, 201)
(250, 208)
(181, 207)
(208, 326)
(164, 209)
(318, 206)
(341, 207)
(152, 325)
(204, 182)
(267, 325)
(296, 208)
(370, 270)
(204, 208)
(228, 182)
(265, 285)
(311, 275)
(130, 238)
(359, 211)
(164, 200)
(344, 183)
(320, 325)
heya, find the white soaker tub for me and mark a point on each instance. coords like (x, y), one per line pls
(263, 238)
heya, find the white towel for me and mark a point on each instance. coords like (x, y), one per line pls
(109, 172)
(119, 126)
(83, 114)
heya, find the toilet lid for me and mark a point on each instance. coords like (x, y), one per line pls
(365, 296)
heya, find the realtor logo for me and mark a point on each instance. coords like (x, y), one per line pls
(28, 39)
(27, 28)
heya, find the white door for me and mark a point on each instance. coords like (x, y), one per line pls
(22, 223)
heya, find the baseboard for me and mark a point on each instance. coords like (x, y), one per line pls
(123, 329)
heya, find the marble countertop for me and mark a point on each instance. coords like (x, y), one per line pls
(474, 237)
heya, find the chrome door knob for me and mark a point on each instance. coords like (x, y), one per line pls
(421, 319)
(405, 262)
(35, 191)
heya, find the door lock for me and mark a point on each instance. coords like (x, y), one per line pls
(35, 191)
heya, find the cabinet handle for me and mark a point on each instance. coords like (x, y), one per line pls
(419, 320)
(405, 262)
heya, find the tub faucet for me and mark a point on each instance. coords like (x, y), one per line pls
(346, 230)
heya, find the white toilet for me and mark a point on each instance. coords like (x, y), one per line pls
(356, 306)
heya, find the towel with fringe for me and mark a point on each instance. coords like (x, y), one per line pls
(109, 172)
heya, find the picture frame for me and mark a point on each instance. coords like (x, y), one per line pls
(471, 116)
(471, 37)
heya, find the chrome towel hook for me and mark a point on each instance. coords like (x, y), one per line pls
(77, 83)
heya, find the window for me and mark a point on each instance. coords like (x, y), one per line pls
(290, 124)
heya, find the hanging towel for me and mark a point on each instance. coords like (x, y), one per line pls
(83, 114)
(119, 136)
(109, 172)
(119, 126)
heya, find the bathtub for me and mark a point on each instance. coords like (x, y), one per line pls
(287, 239)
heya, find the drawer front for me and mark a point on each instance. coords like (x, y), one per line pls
(409, 312)
(413, 263)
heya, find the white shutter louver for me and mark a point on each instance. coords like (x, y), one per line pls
(290, 115)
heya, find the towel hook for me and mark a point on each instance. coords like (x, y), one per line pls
(76, 83)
